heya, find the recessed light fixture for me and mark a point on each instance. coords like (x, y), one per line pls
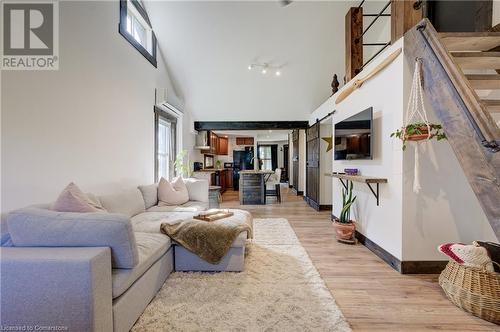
(264, 71)
(278, 72)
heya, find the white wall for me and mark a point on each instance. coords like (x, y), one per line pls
(90, 122)
(496, 12)
(407, 225)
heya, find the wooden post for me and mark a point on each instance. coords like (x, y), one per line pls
(353, 42)
(404, 16)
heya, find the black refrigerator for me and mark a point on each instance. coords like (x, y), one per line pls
(242, 160)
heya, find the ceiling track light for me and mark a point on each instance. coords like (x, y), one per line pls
(265, 68)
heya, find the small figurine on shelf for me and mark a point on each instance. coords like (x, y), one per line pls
(335, 84)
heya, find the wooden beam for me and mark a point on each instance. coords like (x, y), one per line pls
(250, 125)
(404, 16)
(353, 42)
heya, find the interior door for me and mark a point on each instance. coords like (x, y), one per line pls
(295, 160)
(312, 165)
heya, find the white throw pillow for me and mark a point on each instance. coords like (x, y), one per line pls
(72, 199)
(172, 193)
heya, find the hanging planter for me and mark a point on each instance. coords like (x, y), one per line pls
(418, 132)
(417, 127)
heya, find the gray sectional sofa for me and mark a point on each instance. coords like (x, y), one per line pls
(97, 271)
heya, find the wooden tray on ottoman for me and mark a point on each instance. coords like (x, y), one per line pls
(213, 214)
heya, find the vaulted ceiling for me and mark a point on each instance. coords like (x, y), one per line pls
(208, 46)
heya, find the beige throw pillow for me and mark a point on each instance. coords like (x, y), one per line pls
(172, 193)
(72, 199)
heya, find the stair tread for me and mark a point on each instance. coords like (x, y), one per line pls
(470, 41)
(477, 60)
(484, 81)
(475, 54)
(493, 105)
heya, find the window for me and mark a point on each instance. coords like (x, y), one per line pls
(136, 28)
(167, 141)
(165, 150)
(268, 156)
(265, 157)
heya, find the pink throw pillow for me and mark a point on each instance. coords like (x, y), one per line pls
(72, 199)
(172, 193)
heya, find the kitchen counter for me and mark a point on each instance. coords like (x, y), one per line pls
(253, 186)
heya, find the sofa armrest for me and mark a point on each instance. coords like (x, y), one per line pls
(65, 287)
(197, 189)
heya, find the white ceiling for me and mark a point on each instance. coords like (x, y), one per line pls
(208, 45)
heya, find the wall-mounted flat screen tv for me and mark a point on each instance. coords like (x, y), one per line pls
(353, 137)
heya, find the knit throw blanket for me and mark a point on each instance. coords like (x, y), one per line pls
(208, 240)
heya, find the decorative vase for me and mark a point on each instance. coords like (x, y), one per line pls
(418, 137)
(344, 231)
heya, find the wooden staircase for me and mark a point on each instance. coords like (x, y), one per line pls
(477, 51)
(461, 75)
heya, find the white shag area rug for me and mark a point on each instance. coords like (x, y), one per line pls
(280, 290)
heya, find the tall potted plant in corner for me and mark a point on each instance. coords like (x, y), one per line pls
(344, 226)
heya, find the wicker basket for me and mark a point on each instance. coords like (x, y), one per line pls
(474, 290)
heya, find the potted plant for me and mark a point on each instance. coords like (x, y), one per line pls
(181, 166)
(344, 226)
(419, 131)
(218, 164)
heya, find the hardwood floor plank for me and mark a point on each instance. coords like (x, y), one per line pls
(372, 296)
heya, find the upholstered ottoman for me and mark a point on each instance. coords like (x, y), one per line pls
(234, 260)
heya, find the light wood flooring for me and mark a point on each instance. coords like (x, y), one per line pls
(372, 296)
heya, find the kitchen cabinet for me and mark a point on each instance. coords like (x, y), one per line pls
(213, 143)
(229, 178)
(244, 141)
(223, 146)
(218, 145)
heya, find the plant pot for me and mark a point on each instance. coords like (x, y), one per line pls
(418, 137)
(344, 231)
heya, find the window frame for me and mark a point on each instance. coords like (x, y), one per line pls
(122, 29)
(170, 114)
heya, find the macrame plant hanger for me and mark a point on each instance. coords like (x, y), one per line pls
(416, 113)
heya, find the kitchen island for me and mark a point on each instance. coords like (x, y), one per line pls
(253, 186)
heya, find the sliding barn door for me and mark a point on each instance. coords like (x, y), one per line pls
(295, 159)
(312, 165)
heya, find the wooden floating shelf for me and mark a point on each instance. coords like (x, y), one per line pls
(360, 178)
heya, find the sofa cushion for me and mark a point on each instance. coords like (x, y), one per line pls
(172, 193)
(151, 247)
(72, 199)
(39, 227)
(149, 222)
(128, 202)
(191, 206)
(149, 194)
(197, 189)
